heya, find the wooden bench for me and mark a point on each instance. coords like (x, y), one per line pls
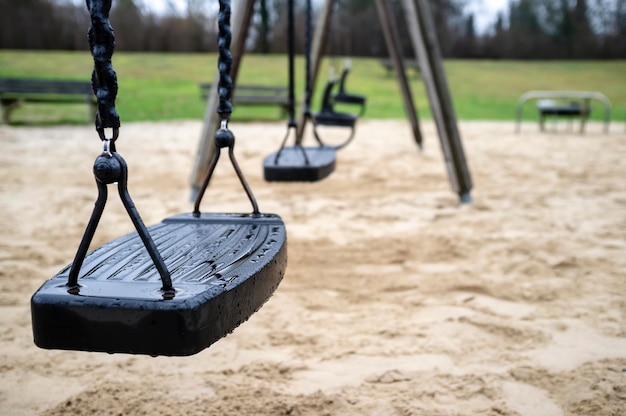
(14, 91)
(408, 64)
(573, 109)
(255, 95)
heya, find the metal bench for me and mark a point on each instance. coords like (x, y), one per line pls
(573, 109)
(14, 91)
(570, 104)
(254, 95)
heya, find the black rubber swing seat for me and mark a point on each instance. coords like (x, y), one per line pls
(223, 268)
(328, 116)
(348, 98)
(170, 289)
(345, 97)
(173, 288)
(299, 164)
(334, 119)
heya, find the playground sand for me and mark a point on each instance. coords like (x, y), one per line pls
(397, 300)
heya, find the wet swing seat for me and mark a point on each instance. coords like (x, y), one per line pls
(328, 116)
(345, 97)
(173, 288)
(170, 289)
(223, 268)
(299, 164)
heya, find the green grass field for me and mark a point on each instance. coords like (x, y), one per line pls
(165, 86)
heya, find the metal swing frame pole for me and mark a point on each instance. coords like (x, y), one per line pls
(392, 39)
(317, 52)
(423, 34)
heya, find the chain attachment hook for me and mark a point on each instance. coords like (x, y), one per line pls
(106, 148)
(109, 143)
(224, 138)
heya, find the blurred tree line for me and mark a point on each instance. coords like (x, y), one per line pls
(528, 29)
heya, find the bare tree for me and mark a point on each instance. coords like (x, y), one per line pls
(534, 29)
(128, 24)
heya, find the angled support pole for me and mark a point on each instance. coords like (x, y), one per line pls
(317, 52)
(206, 148)
(427, 50)
(392, 39)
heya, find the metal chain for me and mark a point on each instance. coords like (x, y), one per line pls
(110, 167)
(291, 49)
(225, 61)
(103, 77)
(223, 136)
(308, 42)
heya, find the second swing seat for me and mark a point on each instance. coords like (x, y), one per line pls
(299, 164)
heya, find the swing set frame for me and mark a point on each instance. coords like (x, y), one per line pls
(423, 35)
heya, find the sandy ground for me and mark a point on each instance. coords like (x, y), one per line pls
(397, 300)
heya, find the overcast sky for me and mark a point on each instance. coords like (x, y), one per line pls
(484, 10)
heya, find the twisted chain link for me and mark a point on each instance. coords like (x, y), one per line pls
(308, 42)
(103, 77)
(225, 61)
